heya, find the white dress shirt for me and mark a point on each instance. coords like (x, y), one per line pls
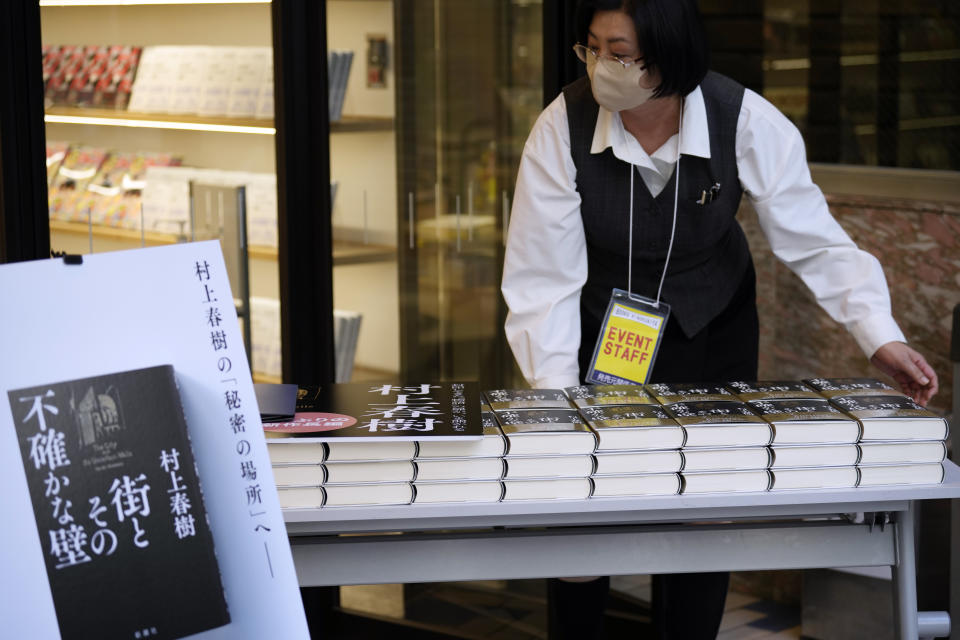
(545, 265)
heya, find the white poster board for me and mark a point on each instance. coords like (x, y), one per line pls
(129, 310)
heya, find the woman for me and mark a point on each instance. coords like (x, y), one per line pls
(648, 106)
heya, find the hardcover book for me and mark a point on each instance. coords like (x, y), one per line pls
(547, 489)
(814, 455)
(546, 432)
(726, 459)
(118, 504)
(666, 393)
(884, 474)
(720, 424)
(635, 462)
(902, 452)
(633, 427)
(349, 495)
(726, 481)
(570, 466)
(806, 421)
(589, 395)
(637, 484)
(458, 491)
(435, 469)
(815, 478)
(889, 417)
(492, 444)
(771, 390)
(832, 387)
(375, 471)
(527, 399)
(364, 412)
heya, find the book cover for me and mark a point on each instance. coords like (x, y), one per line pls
(667, 393)
(892, 417)
(771, 390)
(633, 427)
(589, 395)
(832, 387)
(118, 504)
(713, 412)
(545, 432)
(720, 424)
(806, 421)
(492, 444)
(365, 412)
(500, 399)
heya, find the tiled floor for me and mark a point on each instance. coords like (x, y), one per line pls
(516, 610)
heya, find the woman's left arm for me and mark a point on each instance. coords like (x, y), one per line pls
(847, 282)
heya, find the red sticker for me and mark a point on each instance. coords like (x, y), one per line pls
(312, 422)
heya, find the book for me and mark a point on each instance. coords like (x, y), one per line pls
(889, 417)
(637, 462)
(458, 491)
(368, 471)
(433, 469)
(116, 497)
(667, 393)
(806, 421)
(814, 455)
(815, 478)
(527, 399)
(726, 459)
(348, 495)
(589, 395)
(547, 489)
(570, 466)
(492, 444)
(633, 427)
(638, 484)
(833, 387)
(771, 390)
(364, 412)
(902, 452)
(876, 475)
(300, 497)
(365, 451)
(725, 481)
(301, 474)
(546, 432)
(720, 424)
(304, 452)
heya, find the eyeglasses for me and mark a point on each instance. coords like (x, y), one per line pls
(587, 53)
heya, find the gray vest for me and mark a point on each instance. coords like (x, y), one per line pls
(710, 253)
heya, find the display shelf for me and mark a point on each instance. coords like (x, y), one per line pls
(344, 253)
(115, 118)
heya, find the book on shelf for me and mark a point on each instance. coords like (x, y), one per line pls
(806, 421)
(436, 469)
(589, 395)
(633, 427)
(547, 489)
(309, 452)
(726, 481)
(500, 399)
(815, 478)
(888, 474)
(890, 417)
(368, 471)
(902, 452)
(720, 424)
(637, 462)
(299, 474)
(458, 491)
(346, 495)
(833, 387)
(670, 392)
(492, 444)
(726, 459)
(771, 390)
(814, 455)
(636, 484)
(365, 412)
(564, 466)
(366, 451)
(300, 497)
(546, 432)
(116, 496)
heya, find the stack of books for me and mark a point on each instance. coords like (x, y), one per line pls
(900, 442)
(549, 445)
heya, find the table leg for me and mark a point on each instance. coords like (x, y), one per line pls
(905, 577)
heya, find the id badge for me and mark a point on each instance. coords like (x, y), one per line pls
(629, 339)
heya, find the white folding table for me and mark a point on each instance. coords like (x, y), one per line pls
(617, 536)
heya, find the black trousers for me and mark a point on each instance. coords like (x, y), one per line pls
(685, 606)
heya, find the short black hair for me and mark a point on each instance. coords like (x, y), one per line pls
(670, 34)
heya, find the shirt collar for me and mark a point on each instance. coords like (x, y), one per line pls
(609, 132)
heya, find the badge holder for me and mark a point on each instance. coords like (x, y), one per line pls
(629, 340)
(632, 328)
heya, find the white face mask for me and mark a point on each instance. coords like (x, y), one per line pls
(616, 88)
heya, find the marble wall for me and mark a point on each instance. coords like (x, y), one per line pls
(918, 244)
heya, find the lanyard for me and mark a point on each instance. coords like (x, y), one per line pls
(673, 228)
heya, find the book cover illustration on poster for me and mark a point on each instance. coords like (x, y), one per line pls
(118, 504)
(361, 412)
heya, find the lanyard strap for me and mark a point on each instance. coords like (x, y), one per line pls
(673, 228)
